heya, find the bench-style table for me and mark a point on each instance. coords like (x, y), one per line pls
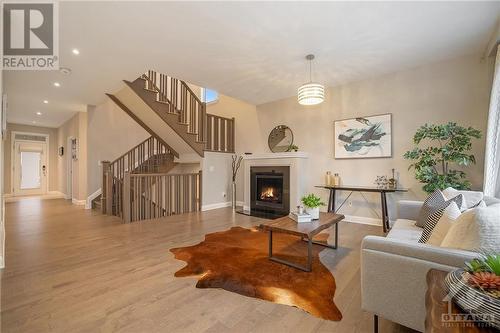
(305, 231)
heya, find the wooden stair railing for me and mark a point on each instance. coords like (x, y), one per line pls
(181, 99)
(215, 131)
(220, 134)
(160, 195)
(148, 156)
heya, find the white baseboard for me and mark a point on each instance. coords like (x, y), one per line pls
(78, 202)
(220, 205)
(9, 197)
(88, 203)
(215, 206)
(363, 220)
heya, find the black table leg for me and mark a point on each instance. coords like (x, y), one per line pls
(331, 201)
(336, 235)
(385, 213)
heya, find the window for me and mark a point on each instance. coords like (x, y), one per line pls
(209, 95)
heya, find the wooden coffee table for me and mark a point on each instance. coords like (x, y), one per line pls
(305, 231)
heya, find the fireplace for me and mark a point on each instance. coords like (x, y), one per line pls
(270, 190)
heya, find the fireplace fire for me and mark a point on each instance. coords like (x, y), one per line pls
(270, 189)
(269, 194)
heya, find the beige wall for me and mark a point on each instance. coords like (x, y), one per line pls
(52, 151)
(248, 136)
(75, 127)
(111, 133)
(456, 90)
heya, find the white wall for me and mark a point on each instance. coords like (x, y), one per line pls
(111, 133)
(216, 173)
(456, 90)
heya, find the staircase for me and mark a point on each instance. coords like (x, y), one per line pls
(138, 185)
(154, 100)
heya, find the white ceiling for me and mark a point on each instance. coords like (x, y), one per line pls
(253, 51)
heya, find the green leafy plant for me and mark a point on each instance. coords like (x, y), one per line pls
(312, 201)
(444, 146)
(486, 262)
(293, 148)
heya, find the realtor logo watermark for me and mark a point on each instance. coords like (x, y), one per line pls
(30, 35)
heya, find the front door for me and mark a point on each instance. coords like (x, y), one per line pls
(30, 168)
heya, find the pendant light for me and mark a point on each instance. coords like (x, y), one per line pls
(310, 93)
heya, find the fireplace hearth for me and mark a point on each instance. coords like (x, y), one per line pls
(270, 190)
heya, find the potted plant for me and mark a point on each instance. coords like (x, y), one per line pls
(476, 288)
(444, 145)
(312, 204)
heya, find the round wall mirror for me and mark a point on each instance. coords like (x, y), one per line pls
(280, 139)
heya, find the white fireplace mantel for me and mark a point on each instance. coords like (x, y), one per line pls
(298, 163)
(297, 154)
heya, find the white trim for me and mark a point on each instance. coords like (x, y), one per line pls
(363, 220)
(13, 151)
(90, 198)
(215, 206)
(296, 154)
(220, 205)
(78, 202)
(50, 195)
(69, 167)
(2, 263)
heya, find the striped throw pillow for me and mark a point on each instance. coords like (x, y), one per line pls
(431, 204)
(436, 214)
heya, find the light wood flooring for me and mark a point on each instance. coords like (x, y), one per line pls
(75, 270)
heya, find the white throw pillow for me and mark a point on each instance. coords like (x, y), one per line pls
(488, 221)
(463, 233)
(450, 215)
(472, 198)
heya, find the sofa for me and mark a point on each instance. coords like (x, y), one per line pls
(394, 268)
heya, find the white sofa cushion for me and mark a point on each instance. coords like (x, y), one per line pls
(405, 230)
(488, 221)
(471, 198)
(464, 233)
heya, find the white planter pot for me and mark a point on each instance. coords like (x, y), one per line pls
(314, 212)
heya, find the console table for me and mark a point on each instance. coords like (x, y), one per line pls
(351, 189)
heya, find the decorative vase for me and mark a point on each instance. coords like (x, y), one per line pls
(314, 212)
(328, 179)
(233, 195)
(472, 300)
(336, 180)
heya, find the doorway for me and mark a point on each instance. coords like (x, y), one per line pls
(30, 164)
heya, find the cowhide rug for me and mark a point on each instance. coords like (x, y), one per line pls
(236, 260)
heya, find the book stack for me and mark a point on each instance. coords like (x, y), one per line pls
(300, 218)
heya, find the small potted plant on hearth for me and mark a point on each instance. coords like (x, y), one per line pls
(312, 204)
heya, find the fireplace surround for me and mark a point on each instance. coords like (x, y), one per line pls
(298, 166)
(270, 189)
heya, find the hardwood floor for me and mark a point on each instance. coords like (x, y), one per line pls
(74, 270)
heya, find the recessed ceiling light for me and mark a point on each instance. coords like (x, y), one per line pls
(34, 122)
(76, 51)
(46, 102)
(38, 113)
(57, 84)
